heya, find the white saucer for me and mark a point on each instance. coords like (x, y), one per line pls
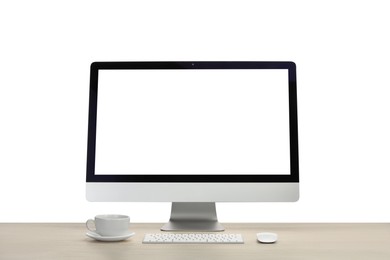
(96, 236)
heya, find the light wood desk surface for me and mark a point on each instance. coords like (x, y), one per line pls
(296, 241)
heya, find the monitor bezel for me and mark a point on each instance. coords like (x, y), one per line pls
(174, 178)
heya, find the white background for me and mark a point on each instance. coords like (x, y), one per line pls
(342, 53)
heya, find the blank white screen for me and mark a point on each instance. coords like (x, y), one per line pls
(192, 122)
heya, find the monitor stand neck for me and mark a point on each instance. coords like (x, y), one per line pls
(193, 216)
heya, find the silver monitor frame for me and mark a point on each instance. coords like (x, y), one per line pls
(193, 197)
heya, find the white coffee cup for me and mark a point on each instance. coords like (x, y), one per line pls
(109, 225)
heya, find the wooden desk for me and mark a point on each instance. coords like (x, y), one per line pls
(296, 241)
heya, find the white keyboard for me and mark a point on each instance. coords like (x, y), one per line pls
(192, 238)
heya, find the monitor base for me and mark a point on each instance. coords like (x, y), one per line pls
(193, 216)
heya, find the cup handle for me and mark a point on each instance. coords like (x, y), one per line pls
(87, 225)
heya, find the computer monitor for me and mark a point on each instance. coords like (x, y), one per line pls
(192, 133)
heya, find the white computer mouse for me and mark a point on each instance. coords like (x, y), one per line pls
(267, 237)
